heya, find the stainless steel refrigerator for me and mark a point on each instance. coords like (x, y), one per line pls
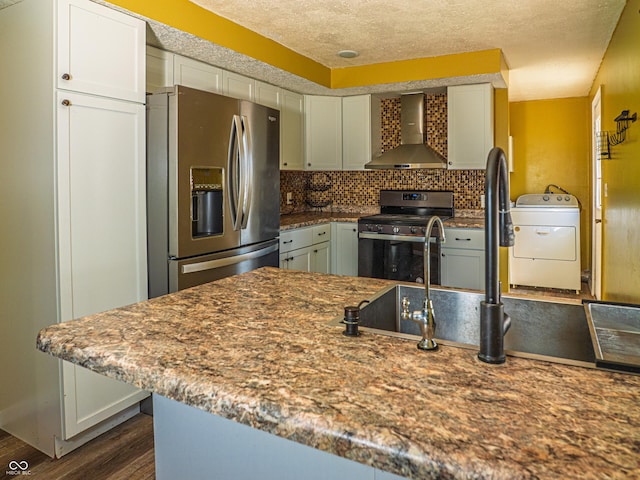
(213, 187)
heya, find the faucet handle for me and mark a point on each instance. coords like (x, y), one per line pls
(405, 306)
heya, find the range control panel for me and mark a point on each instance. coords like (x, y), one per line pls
(547, 200)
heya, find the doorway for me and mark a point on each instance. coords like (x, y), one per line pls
(596, 198)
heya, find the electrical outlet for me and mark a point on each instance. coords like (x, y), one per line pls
(481, 201)
(289, 198)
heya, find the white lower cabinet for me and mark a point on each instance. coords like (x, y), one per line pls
(344, 247)
(462, 258)
(321, 257)
(307, 249)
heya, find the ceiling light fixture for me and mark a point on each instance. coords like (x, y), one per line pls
(348, 53)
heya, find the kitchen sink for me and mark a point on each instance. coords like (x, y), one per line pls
(615, 331)
(547, 330)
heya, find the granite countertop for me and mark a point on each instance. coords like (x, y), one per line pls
(257, 348)
(306, 219)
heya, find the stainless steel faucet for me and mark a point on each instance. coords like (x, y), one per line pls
(494, 322)
(425, 317)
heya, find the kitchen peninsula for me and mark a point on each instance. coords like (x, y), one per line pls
(257, 348)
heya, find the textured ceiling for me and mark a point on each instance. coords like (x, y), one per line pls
(553, 48)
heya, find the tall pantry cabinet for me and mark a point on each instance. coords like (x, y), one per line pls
(72, 207)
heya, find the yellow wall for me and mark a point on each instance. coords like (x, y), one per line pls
(191, 18)
(551, 145)
(501, 139)
(619, 76)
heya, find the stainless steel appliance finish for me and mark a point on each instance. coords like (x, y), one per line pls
(555, 331)
(413, 151)
(391, 244)
(615, 333)
(213, 185)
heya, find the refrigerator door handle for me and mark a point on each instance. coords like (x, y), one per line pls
(246, 161)
(223, 262)
(234, 177)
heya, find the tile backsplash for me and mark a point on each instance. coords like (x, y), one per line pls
(358, 189)
(361, 188)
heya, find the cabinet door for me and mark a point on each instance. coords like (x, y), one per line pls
(462, 268)
(292, 131)
(470, 125)
(323, 126)
(100, 51)
(345, 252)
(159, 69)
(321, 258)
(194, 74)
(298, 260)
(238, 86)
(101, 234)
(268, 95)
(356, 132)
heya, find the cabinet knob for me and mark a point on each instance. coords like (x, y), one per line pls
(285, 164)
(66, 76)
(308, 164)
(450, 163)
(66, 103)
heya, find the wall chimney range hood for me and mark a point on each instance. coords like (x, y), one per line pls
(413, 152)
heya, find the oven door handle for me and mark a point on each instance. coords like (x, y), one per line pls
(400, 238)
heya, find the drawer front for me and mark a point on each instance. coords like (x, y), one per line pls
(466, 238)
(296, 238)
(321, 233)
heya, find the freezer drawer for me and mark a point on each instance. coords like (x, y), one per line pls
(207, 268)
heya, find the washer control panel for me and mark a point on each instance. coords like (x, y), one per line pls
(547, 200)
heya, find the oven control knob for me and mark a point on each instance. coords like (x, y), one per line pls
(423, 229)
(379, 227)
(559, 198)
(396, 229)
(566, 199)
(545, 198)
(369, 227)
(414, 230)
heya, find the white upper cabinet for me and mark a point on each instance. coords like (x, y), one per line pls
(95, 54)
(470, 125)
(238, 86)
(194, 74)
(159, 69)
(323, 127)
(268, 95)
(292, 131)
(338, 132)
(356, 132)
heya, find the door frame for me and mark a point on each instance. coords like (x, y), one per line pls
(596, 198)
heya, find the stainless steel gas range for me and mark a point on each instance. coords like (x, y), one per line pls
(391, 244)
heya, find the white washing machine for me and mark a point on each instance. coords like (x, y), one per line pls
(546, 251)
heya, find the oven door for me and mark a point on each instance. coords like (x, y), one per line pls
(397, 257)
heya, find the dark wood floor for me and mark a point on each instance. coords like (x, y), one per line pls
(125, 452)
